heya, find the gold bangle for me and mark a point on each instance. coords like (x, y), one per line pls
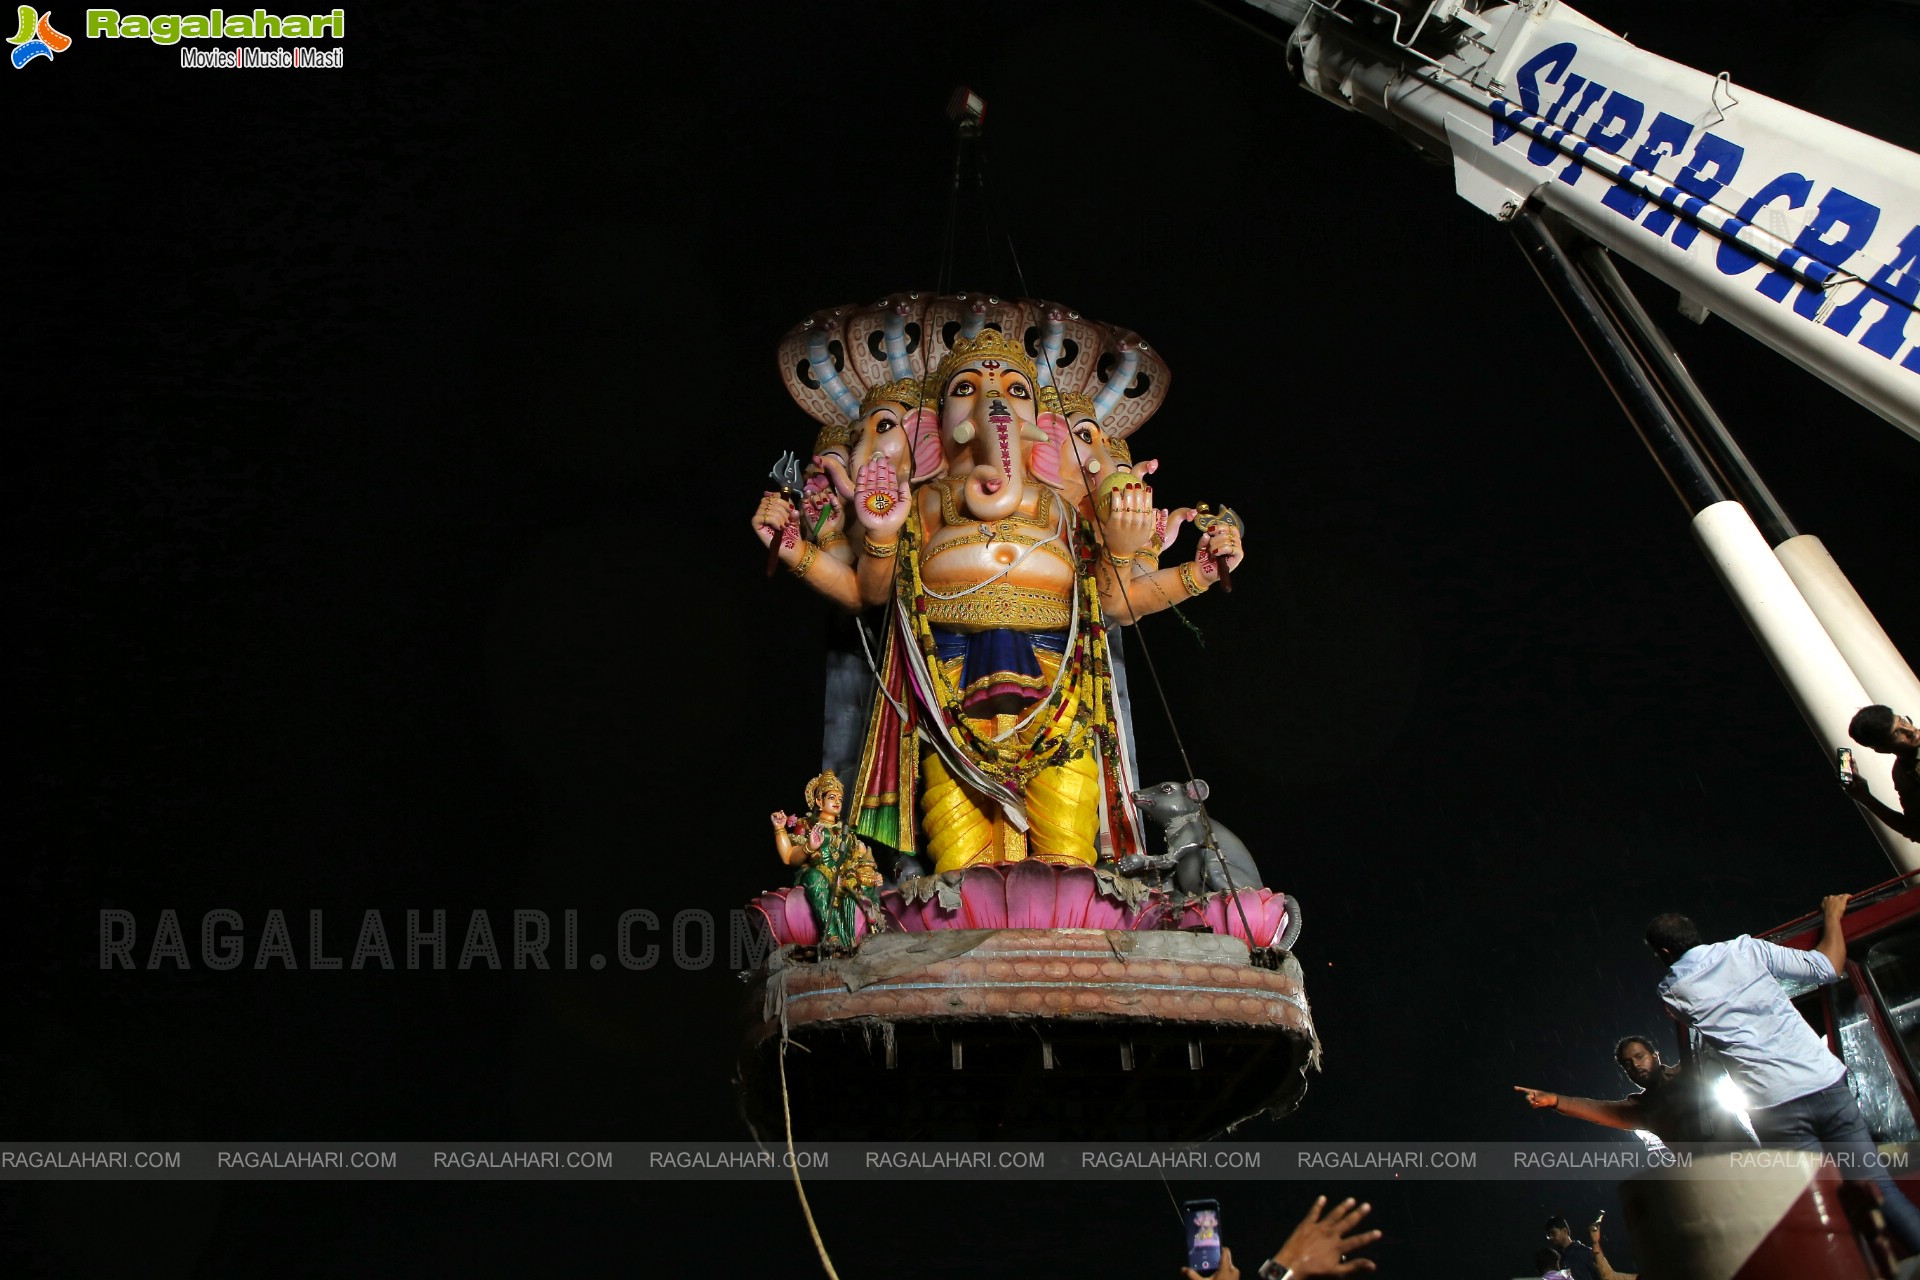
(1191, 580)
(831, 536)
(883, 550)
(799, 567)
(1119, 562)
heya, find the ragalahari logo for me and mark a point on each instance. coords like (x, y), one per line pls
(37, 38)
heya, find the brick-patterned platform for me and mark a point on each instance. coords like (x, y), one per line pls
(1014, 1032)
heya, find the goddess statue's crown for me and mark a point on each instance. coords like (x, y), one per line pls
(906, 391)
(990, 344)
(820, 785)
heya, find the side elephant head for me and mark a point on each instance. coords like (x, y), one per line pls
(897, 421)
(1081, 460)
(1077, 455)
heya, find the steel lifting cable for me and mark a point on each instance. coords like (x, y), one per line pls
(944, 276)
(1133, 620)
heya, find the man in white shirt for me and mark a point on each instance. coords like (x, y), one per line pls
(1729, 995)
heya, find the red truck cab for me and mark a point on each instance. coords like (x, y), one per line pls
(1871, 1017)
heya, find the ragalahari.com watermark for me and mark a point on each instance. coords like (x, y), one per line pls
(694, 939)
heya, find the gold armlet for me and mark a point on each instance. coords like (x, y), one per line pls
(799, 567)
(1191, 580)
(883, 550)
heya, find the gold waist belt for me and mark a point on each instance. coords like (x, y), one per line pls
(1002, 605)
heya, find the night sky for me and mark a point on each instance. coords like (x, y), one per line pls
(385, 442)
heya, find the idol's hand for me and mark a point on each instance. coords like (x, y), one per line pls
(1126, 515)
(881, 499)
(1219, 546)
(776, 516)
(816, 497)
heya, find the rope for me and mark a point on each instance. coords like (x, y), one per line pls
(1133, 619)
(793, 1165)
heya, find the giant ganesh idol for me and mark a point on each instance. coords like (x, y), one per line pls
(998, 537)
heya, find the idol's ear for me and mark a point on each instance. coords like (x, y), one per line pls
(923, 434)
(1197, 790)
(1045, 463)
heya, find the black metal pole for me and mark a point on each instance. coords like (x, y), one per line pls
(1613, 354)
(1708, 433)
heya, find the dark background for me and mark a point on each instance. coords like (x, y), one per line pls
(385, 441)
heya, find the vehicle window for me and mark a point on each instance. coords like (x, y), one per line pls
(1797, 989)
(1895, 965)
(1871, 1077)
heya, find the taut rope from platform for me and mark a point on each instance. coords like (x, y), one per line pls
(793, 1163)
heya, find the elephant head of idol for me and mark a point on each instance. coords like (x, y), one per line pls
(988, 410)
(1078, 455)
(897, 422)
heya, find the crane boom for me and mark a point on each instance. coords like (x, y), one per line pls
(1800, 231)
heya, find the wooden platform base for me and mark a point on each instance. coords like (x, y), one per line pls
(1028, 1034)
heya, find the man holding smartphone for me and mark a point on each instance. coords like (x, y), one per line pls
(1879, 729)
(1318, 1247)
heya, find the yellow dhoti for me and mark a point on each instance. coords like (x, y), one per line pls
(965, 828)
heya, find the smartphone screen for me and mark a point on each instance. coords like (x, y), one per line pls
(1203, 1235)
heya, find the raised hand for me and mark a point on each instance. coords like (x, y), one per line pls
(1320, 1244)
(775, 516)
(1220, 545)
(881, 499)
(1125, 510)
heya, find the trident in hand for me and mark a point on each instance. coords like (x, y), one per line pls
(1206, 518)
(785, 474)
